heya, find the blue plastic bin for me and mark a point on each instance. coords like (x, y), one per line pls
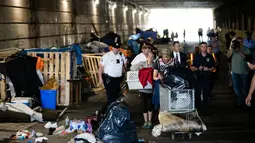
(49, 99)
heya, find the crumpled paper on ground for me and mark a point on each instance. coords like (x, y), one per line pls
(40, 139)
(50, 125)
(157, 130)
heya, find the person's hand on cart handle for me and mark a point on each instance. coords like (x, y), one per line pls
(193, 68)
(206, 69)
(201, 68)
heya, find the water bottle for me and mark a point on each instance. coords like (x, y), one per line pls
(33, 133)
(21, 138)
(67, 122)
(141, 140)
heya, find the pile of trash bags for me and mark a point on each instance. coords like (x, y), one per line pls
(117, 126)
(179, 123)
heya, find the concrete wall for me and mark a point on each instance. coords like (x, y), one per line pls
(46, 23)
(238, 16)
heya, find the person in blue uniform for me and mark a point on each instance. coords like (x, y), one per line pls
(203, 65)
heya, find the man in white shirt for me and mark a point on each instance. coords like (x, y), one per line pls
(111, 71)
(180, 58)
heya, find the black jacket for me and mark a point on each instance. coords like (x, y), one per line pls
(183, 59)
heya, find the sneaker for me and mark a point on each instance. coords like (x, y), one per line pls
(145, 125)
(149, 126)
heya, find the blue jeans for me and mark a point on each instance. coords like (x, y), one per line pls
(240, 85)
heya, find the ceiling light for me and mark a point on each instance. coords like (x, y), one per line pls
(134, 11)
(96, 2)
(126, 8)
(114, 6)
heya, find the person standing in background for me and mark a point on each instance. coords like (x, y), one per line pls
(180, 58)
(184, 34)
(200, 34)
(203, 65)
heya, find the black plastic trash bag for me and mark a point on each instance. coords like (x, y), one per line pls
(175, 82)
(179, 78)
(117, 126)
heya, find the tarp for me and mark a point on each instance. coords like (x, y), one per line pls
(147, 34)
(76, 48)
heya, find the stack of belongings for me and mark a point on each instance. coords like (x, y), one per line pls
(133, 44)
(179, 123)
(95, 47)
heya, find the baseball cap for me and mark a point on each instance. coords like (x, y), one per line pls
(166, 52)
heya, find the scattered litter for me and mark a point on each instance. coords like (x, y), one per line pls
(39, 134)
(157, 130)
(41, 139)
(21, 135)
(59, 130)
(85, 137)
(50, 125)
(79, 126)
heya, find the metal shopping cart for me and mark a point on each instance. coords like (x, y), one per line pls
(177, 101)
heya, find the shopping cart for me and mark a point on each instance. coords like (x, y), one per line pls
(177, 101)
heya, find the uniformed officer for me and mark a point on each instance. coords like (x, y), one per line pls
(111, 71)
(203, 65)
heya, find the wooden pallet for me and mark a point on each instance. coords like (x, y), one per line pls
(58, 65)
(91, 64)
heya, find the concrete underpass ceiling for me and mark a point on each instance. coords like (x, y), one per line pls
(179, 3)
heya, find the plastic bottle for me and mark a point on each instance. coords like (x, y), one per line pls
(67, 122)
(33, 134)
(20, 138)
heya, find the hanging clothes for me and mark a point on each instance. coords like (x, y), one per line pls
(39, 64)
(21, 70)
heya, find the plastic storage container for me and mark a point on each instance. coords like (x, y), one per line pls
(49, 99)
(25, 100)
(134, 83)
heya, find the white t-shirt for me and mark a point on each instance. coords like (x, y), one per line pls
(139, 58)
(113, 64)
